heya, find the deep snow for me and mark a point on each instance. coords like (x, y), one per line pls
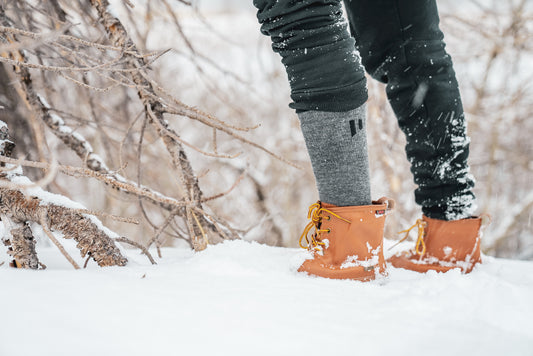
(242, 298)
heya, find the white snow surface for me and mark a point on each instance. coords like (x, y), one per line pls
(242, 298)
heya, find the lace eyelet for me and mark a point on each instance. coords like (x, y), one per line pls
(327, 217)
(328, 231)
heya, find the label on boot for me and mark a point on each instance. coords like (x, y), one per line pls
(380, 213)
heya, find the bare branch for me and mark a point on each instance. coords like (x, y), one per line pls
(51, 236)
(139, 246)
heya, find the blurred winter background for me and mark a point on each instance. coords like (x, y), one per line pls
(492, 46)
(220, 63)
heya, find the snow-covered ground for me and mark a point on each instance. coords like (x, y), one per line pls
(242, 298)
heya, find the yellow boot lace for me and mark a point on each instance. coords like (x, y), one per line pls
(420, 247)
(315, 215)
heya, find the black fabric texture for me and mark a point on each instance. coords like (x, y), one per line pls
(401, 45)
(318, 52)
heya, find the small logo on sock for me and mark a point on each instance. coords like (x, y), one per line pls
(353, 129)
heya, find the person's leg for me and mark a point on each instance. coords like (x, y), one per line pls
(328, 90)
(401, 45)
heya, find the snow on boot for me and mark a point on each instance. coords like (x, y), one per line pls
(347, 242)
(442, 245)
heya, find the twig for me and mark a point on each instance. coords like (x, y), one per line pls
(51, 236)
(172, 134)
(139, 246)
(162, 227)
(128, 220)
(86, 262)
(239, 179)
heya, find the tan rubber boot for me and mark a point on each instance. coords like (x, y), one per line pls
(442, 245)
(348, 241)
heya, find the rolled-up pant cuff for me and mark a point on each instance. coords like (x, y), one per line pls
(324, 71)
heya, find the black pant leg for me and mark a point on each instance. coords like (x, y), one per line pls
(318, 53)
(401, 45)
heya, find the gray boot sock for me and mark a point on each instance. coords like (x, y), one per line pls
(336, 142)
